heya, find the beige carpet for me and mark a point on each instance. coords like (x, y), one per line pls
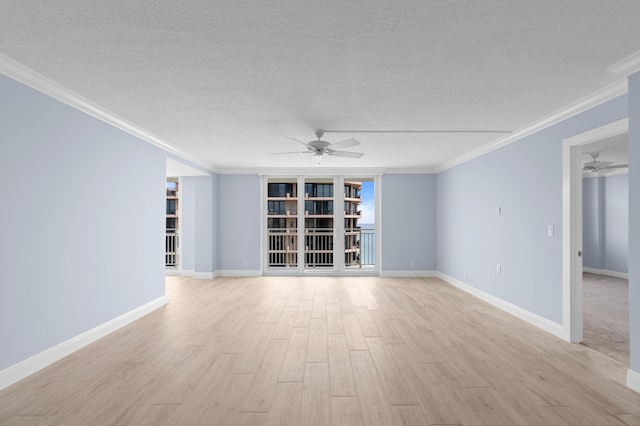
(606, 315)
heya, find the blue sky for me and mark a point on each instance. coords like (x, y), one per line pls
(367, 206)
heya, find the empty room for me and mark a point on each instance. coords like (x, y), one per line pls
(320, 213)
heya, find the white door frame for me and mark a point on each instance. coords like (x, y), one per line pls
(572, 224)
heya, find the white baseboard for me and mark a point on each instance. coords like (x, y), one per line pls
(534, 319)
(239, 273)
(408, 274)
(204, 275)
(25, 368)
(187, 272)
(172, 272)
(614, 274)
(633, 380)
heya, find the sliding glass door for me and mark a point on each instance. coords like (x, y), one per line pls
(282, 223)
(319, 230)
(320, 224)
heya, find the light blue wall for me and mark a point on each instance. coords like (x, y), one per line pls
(634, 223)
(188, 222)
(616, 223)
(592, 223)
(214, 225)
(239, 216)
(204, 224)
(83, 222)
(605, 222)
(408, 222)
(524, 179)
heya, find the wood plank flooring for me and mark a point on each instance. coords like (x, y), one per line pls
(325, 351)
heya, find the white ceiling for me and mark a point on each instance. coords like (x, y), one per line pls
(614, 149)
(228, 80)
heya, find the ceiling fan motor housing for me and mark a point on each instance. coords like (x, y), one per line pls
(319, 145)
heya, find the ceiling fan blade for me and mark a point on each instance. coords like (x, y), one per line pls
(617, 166)
(347, 154)
(291, 152)
(299, 141)
(347, 143)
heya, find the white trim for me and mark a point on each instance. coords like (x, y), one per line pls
(377, 198)
(239, 273)
(605, 173)
(627, 66)
(309, 172)
(187, 273)
(330, 273)
(205, 275)
(633, 380)
(572, 223)
(614, 274)
(338, 224)
(603, 95)
(172, 273)
(25, 368)
(180, 224)
(411, 171)
(32, 79)
(615, 172)
(408, 274)
(534, 319)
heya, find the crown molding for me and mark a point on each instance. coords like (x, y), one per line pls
(411, 171)
(325, 171)
(627, 66)
(589, 175)
(42, 84)
(605, 94)
(313, 171)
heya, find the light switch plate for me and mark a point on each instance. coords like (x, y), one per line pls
(550, 231)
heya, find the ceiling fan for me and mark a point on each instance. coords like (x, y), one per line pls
(319, 147)
(595, 166)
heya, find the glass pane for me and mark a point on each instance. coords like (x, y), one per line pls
(282, 223)
(359, 223)
(318, 224)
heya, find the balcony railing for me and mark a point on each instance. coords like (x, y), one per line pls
(283, 247)
(171, 248)
(359, 247)
(318, 247)
(282, 212)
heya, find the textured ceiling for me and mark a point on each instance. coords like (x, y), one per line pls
(228, 80)
(615, 149)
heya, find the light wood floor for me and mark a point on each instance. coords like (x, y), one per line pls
(327, 351)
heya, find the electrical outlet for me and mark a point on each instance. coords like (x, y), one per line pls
(499, 269)
(498, 211)
(550, 231)
(413, 263)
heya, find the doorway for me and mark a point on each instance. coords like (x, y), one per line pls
(605, 223)
(574, 150)
(172, 226)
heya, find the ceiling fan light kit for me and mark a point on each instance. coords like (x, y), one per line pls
(595, 166)
(319, 147)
